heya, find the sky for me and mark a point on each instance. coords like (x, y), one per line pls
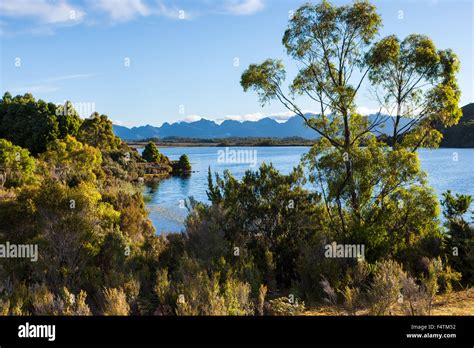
(149, 62)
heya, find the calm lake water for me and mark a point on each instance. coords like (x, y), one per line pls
(448, 169)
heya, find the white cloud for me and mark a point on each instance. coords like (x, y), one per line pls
(126, 10)
(172, 12)
(122, 123)
(52, 13)
(46, 11)
(366, 111)
(247, 117)
(122, 10)
(282, 116)
(244, 7)
(192, 118)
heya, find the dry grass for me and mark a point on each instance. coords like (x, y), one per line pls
(455, 303)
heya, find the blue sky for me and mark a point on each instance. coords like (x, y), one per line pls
(147, 62)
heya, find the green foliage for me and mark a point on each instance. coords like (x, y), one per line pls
(267, 216)
(265, 233)
(97, 131)
(264, 78)
(17, 167)
(72, 162)
(68, 120)
(183, 163)
(28, 123)
(460, 245)
(369, 193)
(419, 82)
(151, 153)
(90, 225)
(32, 124)
(455, 206)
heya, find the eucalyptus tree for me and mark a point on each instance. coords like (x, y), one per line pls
(414, 80)
(373, 193)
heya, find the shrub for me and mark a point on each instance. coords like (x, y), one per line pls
(237, 297)
(183, 163)
(16, 165)
(262, 293)
(44, 302)
(284, 307)
(115, 302)
(460, 251)
(413, 301)
(386, 286)
(199, 294)
(151, 153)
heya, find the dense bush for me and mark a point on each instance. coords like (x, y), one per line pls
(183, 163)
(32, 124)
(97, 131)
(460, 244)
(17, 167)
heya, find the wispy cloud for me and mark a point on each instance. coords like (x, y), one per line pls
(69, 77)
(122, 10)
(126, 10)
(48, 85)
(50, 12)
(47, 15)
(41, 88)
(244, 7)
(172, 12)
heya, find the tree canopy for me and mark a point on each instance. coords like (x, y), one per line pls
(17, 167)
(151, 153)
(97, 131)
(32, 124)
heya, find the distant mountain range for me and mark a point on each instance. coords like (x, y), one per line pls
(206, 129)
(461, 135)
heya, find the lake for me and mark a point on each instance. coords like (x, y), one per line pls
(448, 169)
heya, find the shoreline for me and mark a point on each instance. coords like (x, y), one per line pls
(135, 145)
